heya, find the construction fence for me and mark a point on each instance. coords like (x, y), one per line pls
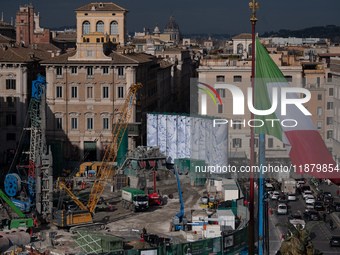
(231, 243)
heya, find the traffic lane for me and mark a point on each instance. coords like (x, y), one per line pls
(320, 234)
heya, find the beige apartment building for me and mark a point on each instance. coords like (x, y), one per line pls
(335, 71)
(87, 87)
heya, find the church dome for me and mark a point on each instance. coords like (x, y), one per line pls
(171, 24)
(156, 31)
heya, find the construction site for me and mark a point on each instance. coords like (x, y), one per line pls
(134, 201)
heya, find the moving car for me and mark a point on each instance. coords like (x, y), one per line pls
(310, 200)
(291, 197)
(336, 206)
(275, 195)
(282, 209)
(327, 194)
(309, 208)
(299, 184)
(318, 206)
(311, 215)
(297, 219)
(334, 241)
(306, 193)
(282, 199)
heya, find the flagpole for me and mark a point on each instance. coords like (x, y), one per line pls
(251, 242)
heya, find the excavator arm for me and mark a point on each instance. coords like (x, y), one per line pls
(110, 155)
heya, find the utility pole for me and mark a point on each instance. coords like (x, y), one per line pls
(253, 6)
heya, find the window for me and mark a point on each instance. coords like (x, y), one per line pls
(221, 92)
(105, 92)
(319, 97)
(86, 27)
(329, 120)
(10, 136)
(329, 134)
(59, 91)
(74, 123)
(270, 143)
(114, 28)
(250, 49)
(120, 72)
(329, 77)
(89, 123)
(237, 78)
(100, 27)
(10, 101)
(105, 70)
(289, 78)
(237, 143)
(140, 48)
(59, 72)
(89, 72)
(329, 105)
(89, 53)
(105, 123)
(74, 92)
(256, 142)
(59, 123)
(11, 120)
(318, 81)
(319, 111)
(236, 124)
(89, 91)
(74, 70)
(319, 124)
(220, 78)
(330, 92)
(11, 84)
(220, 108)
(120, 92)
(239, 48)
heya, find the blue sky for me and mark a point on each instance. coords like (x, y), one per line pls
(213, 16)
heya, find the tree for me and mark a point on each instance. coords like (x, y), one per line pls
(298, 240)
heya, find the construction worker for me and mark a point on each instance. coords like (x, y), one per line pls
(35, 221)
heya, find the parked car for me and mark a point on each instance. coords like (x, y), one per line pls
(327, 194)
(336, 206)
(328, 200)
(318, 206)
(334, 241)
(275, 195)
(282, 209)
(291, 197)
(311, 215)
(310, 200)
(306, 193)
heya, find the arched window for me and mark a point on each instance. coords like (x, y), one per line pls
(239, 48)
(250, 49)
(114, 28)
(86, 27)
(100, 27)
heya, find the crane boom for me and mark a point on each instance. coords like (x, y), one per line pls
(75, 199)
(112, 148)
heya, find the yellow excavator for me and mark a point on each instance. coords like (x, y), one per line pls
(208, 201)
(83, 217)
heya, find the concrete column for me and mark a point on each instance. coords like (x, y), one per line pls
(81, 147)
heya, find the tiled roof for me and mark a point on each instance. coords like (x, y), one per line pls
(6, 25)
(101, 7)
(117, 58)
(22, 54)
(5, 39)
(137, 41)
(242, 36)
(66, 36)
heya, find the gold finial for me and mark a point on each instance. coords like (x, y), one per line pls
(253, 6)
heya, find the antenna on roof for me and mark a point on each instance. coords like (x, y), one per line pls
(11, 21)
(2, 16)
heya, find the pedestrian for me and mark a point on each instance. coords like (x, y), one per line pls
(324, 217)
(337, 192)
(331, 224)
